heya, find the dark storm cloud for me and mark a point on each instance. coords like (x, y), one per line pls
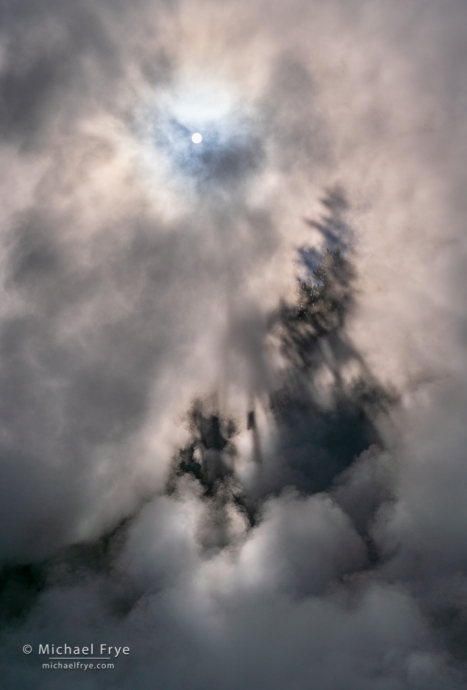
(249, 481)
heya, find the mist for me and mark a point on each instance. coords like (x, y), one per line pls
(233, 373)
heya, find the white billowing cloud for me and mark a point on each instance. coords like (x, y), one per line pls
(136, 277)
(303, 545)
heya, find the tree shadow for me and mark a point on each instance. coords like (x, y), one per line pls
(317, 440)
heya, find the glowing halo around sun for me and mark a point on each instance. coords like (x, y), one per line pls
(197, 136)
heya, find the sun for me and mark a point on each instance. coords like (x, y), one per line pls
(196, 138)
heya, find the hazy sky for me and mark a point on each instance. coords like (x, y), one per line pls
(246, 496)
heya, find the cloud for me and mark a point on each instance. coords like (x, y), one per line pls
(232, 376)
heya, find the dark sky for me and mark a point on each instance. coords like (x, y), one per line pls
(252, 475)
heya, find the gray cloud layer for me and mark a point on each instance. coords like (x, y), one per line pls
(302, 525)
